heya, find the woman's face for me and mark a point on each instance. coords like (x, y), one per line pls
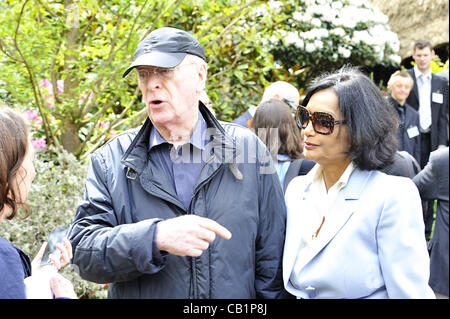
(326, 150)
(25, 176)
(21, 183)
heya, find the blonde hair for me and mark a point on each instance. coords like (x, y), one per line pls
(398, 74)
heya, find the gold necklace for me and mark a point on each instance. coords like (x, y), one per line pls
(314, 235)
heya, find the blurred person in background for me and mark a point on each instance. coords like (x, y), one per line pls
(433, 184)
(429, 97)
(275, 126)
(400, 85)
(279, 90)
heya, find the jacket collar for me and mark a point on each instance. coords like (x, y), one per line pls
(136, 156)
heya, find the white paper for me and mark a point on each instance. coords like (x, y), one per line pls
(437, 98)
(413, 131)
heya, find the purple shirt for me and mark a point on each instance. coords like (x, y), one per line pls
(182, 166)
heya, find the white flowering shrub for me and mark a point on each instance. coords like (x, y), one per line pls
(314, 36)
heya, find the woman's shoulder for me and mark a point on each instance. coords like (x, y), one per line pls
(381, 182)
(7, 249)
(10, 256)
(12, 270)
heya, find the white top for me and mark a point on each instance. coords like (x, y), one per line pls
(321, 202)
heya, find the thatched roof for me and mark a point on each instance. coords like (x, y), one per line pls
(417, 19)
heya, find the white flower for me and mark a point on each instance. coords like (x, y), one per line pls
(259, 11)
(275, 5)
(316, 22)
(318, 44)
(361, 36)
(338, 31)
(336, 5)
(310, 47)
(344, 52)
(395, 58)
(297, 16)
(315, 34)
(293, 38)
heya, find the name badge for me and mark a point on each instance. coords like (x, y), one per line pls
(437, 98)
(413, 131)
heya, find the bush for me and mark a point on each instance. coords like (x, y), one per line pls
(53, 199)
(316, 36)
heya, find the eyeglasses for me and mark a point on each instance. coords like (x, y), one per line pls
(160, 73)
(322, 122)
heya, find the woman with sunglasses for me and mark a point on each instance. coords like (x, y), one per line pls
(352, 231)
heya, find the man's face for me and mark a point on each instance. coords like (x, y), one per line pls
(400, 89)
(423, 58)
(171, 95)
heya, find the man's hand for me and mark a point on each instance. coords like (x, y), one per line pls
(188, 235)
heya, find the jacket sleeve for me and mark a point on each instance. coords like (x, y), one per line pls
(271, 235)
(12, 284)
(426, 181)
(402, 250)
(105, 250)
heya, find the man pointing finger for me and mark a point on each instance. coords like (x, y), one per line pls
(183, 206)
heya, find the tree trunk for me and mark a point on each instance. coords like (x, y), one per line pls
(69, 136)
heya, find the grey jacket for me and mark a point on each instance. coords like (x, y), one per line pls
(433, 183)
(127, 193)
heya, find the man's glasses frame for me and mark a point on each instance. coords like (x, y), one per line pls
(322, 122)
(161, 73)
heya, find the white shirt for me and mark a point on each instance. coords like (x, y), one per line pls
(424, 89)
(320, 201)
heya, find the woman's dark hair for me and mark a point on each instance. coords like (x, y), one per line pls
(275, 117)
(371, 123)
(14, 134)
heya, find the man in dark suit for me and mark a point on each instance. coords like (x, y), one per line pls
(279, 90)
(429, 97)
(432, 183)
(400, 85)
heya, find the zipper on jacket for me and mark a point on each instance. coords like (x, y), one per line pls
(193, 259)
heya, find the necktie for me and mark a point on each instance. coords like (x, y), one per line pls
(424, 102)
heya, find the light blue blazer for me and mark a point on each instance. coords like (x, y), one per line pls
(374, 248)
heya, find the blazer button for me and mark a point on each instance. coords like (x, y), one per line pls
(311, 291)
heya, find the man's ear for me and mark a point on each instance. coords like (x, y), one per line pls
(202, 72)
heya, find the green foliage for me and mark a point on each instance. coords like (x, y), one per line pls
(65, 59)
(53, 199)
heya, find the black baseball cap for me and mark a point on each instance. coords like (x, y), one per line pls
(165, 48)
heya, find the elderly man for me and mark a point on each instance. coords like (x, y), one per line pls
(157, 196)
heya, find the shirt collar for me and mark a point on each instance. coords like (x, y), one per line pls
(316, 174)
(196, 139)
(417, 73)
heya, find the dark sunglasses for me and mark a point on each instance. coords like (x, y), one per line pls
(322, 122)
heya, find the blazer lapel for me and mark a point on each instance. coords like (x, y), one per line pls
(346, 204)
